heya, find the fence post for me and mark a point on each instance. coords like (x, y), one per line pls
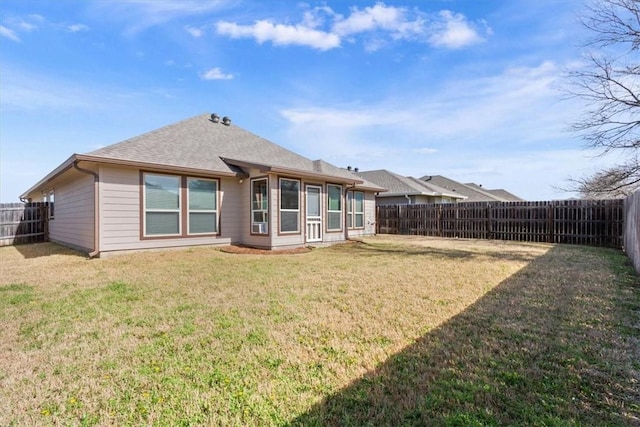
(489, 227)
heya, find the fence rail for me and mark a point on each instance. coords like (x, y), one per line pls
(585, 222)
(23, 223)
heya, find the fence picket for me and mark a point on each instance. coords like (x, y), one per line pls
(23, 223)
(585, 222)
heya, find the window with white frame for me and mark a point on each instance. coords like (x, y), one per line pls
(50, 199)
(289, 205)
(259, 206)
(355, 209)
(162, 203)
(202, 206)
(334, 207)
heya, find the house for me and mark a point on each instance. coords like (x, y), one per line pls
(408, 190)
(499, 193)
(473, 192)
(202, 181)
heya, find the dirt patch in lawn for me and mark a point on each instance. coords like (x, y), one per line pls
(245, 250)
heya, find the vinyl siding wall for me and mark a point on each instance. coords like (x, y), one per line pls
(120, 213)
(73, 223)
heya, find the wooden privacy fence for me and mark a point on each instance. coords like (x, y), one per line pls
(632, 228)
(23, 223)
(584, 222)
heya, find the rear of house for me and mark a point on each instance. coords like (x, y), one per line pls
(202, 181)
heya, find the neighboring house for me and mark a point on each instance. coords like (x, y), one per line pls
(202, 181)
(499, 193)
(408, 190)
(473, 192)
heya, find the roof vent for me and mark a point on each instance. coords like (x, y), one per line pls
(349, 168)
(215, 118)
(226, 121)
(356, 170)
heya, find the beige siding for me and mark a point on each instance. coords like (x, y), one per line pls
(369, 217)
(73, 223)
(232, 214)
(120, 214)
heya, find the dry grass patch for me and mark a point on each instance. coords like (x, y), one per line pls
(200, 336)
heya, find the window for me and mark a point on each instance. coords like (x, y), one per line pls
(259, 207)
(355, 209)
(203, 206)
(161, 205)
(334, 207)
(166, 214)
(50, 199)
(289, 206)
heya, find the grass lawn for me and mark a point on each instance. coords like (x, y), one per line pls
(391, 331)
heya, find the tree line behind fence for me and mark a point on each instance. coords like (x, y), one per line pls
(586, 222)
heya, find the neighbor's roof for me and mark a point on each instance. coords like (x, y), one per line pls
(200, 144)
(501, 193)
(473, 194)
(398, 185)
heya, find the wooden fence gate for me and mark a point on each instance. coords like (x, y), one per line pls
(584, 222)
(23, 223)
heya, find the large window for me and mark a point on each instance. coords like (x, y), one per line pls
(203, 206)
(355, 209)
(334, 207)
(165, 212)
(289, 206)
(259, 207)
(161, 205)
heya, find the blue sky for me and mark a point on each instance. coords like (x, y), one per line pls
(467, 89)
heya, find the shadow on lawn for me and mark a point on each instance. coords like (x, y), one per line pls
(384, 249)
(542, 348)
(38, 250)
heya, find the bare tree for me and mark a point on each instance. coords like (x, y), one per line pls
(610, 86)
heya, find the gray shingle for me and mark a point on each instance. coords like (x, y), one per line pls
(200, 143)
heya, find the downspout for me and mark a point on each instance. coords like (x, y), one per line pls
(406, 196)
(96, 207)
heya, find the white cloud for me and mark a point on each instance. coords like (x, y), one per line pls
(15, 25)
(378, 17)
(139, 15)
(215, 74)
(22, 91)
(377, 26)
(453, 31)
(503, 130)
(426, 150)
(8, 33)
(280, 34)
(75, 28)
(195, 32)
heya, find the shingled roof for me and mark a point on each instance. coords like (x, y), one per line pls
(401, 185)
(473, 194)
(201, 144)
(503, 194)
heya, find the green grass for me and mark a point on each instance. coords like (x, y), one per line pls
(395, 331)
